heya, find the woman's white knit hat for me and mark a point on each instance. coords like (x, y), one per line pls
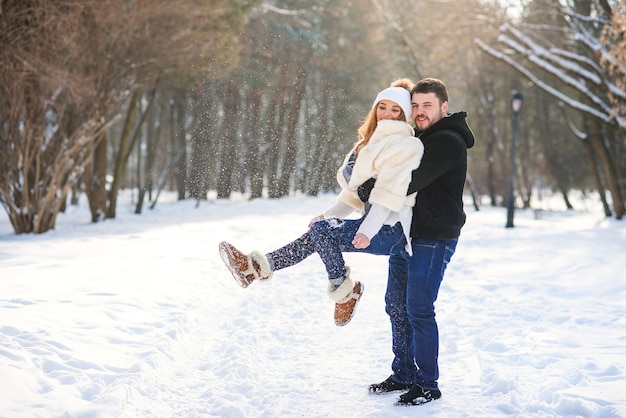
(400, 95)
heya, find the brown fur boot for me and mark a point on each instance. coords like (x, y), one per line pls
(346, 297)
(245, 268)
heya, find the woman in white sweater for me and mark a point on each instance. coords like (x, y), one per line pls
(387, 151)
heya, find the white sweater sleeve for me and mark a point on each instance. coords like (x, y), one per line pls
(338, 210)
(374, 220)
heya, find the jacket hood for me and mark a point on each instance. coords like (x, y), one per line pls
(453, 121)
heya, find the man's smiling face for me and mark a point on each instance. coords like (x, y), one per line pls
(426, 110)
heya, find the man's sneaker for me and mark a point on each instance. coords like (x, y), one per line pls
(389, 385)
(417, 395)
(346, 297)
(245, 268)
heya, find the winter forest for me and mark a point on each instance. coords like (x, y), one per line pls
(264, 97)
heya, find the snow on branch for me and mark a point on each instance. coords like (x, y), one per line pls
(593, 43)
(543, 55)
(536, 54)
(547, 88)
(577, 57)
(579, 66)
(597, 19)
(578, 84)
(571, 125)
(280, 11)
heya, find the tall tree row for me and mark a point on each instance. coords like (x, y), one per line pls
(559, 49)
(560, 146)
(290, 109)
(68, 68)
(263, 98)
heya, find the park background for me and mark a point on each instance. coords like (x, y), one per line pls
(264, 97)
(135, 135)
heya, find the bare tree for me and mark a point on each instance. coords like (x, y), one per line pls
(574, 62)
(290, 54)
(49, 120)
(67, 67)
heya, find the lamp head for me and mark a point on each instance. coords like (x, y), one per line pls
(516, 101)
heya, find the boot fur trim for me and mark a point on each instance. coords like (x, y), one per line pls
(343, 293)
(266, 272)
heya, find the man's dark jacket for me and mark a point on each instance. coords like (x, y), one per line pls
(440, 179)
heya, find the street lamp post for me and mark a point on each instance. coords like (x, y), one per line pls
(516, 105)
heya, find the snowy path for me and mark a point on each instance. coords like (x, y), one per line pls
(138, 317)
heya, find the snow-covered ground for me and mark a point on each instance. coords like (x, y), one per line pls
(138, 317)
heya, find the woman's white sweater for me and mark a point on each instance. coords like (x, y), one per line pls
(390, 157)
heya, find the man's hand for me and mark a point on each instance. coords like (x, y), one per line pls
(360, 241)
(365, 189)
(317, 218)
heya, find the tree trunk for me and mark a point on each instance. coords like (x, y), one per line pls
(291, 145)
(597, 179)
(96, 184)
(322, 146)
(141, 190)
(228, 161)
(180, 170)
(595, 170)
(273, 134)
(255, 156)
(153, 140)
(470, 185)
(211, 131)
(199, 163)
(610, 173)
(489, 117)
(199, 159)
(122, 152)
(277, 133)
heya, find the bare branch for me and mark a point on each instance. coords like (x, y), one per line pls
(605, 117)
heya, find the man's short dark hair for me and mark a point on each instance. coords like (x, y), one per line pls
(432, 85)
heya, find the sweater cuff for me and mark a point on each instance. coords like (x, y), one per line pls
(338, 210)
(374, 220)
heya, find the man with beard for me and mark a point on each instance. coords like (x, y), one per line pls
(438, 216)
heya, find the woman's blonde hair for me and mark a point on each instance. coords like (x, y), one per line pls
(366, 130)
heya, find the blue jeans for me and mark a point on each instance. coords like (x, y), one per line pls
(412, 288)
(332, 237)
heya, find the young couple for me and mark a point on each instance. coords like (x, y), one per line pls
(408, 185)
